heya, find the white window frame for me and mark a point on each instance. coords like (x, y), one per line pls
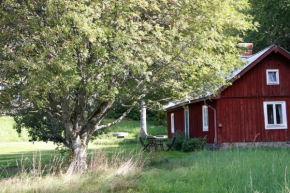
(267, 75)
(284, 115)
(204, 126)
(186, 122)
(172, 123)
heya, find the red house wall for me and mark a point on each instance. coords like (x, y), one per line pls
(242, 120)
(240, 107)
(254, 83)
(195, 121)
(178, 121)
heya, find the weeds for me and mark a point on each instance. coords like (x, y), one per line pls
(127, 170)
(112, 170)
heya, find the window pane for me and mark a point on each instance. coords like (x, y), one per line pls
(205, 118)
(272, 76)
(279, 117)
(172, 123)
(270, 113)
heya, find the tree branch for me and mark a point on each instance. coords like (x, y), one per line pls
(114, 122)
(97, 115)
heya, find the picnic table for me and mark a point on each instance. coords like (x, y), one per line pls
(155, 143)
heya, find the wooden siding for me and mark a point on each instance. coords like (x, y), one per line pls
(240, 107)
(195, 121)
(254, 82)
(242, 120)
(178, 121)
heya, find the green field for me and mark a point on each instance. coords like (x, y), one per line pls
(8, 134)
(119, 166)
(14, 147)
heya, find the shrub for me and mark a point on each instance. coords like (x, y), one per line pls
(193, 144)
(178, 141)
(187, 145)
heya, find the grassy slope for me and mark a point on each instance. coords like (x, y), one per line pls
(8, 134)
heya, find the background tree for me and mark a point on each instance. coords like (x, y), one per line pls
(274, 26)
(71, 62)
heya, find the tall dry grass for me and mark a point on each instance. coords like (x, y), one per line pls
(106, 173)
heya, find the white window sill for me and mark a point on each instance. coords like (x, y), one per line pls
(273, 83)
(269, 127)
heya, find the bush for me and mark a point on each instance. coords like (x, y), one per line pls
(178, 141)
(187, 145)
(193, 144)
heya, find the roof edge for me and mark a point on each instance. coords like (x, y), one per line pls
(186, 103)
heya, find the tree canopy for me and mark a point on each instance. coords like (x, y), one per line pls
(70, 62)
(272, 18)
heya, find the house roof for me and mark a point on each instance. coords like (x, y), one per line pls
(250, 62)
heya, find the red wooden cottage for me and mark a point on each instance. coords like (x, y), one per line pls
(256, 107)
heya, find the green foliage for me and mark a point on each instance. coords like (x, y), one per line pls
(272, 18)
(119, 110)
(115, 49)
(188, 144)
(193, 144)
(179, 141)
(39, 127)
(71, 62)
(159, 117)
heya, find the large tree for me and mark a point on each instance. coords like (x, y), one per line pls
(68, 63)
(272, 18)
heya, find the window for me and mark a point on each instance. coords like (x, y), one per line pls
(172, 123)
(275, 115)
(204, 118)
(272, 77)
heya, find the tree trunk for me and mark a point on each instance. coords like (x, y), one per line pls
(143, 130)
(78, 154)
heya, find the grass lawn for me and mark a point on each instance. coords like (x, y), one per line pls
(232, 170)
(121, 167)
